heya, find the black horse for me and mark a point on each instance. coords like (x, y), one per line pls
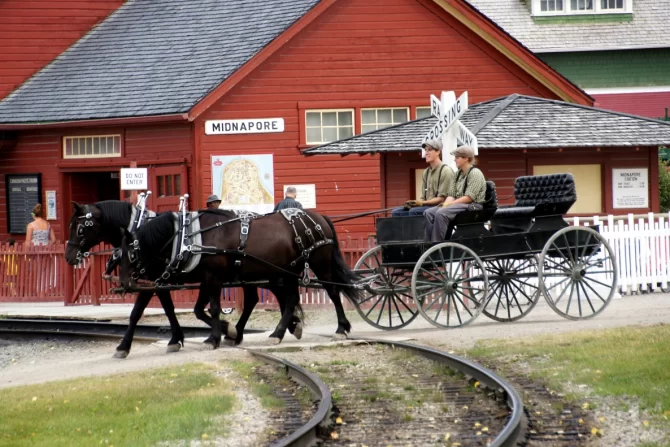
(271, 254)
(102, 222)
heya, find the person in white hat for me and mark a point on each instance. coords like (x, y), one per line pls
(213, 202)
(467, 192)
(435, 183)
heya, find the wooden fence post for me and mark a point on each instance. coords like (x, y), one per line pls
(69, 284)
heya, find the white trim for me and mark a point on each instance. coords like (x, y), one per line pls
(621, 90)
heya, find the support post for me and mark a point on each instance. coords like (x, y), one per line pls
(69, 284)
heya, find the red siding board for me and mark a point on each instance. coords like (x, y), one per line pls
(651, 105)
(358, 52)
(34, 32)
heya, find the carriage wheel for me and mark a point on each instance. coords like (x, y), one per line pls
(450, 285)
(513, 288)
(387, 303)
(578, 273)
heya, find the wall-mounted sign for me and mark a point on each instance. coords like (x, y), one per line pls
(630, 188)
(305, 194)
(24, 191)
(244, 182)
(134, 179)
(51, 205)
(251, 125)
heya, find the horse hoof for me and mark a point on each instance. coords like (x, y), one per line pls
(173, 348)
(231, 331)
(275, 340)
(120, 354)
(229, 341)
(340, 337)
(297, 332)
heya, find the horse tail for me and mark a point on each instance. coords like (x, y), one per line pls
(341, 273)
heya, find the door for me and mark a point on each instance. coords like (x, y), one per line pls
(167, 184)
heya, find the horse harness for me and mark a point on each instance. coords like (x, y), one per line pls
(188, 248)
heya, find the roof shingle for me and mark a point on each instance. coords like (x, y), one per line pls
(151, 57)
(518, 121)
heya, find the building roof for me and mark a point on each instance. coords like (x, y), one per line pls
(151, 57)
(648, 28)
(518, 122)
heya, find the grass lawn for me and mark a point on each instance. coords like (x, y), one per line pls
(622, 362)
(184, 402)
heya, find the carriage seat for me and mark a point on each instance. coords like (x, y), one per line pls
(536, 196)
(471, 223)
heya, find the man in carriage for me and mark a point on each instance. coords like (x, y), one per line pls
(435, 183)
(467, 192)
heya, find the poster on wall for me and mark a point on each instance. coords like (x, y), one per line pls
(51, 205)
(244, 182)
(630, 188)
(305, 194)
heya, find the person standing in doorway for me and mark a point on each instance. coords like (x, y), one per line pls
(213, 202)
(435, 183)
(39, 231)
(289, 200)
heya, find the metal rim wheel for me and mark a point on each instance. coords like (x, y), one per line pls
(391, 288)
(578, 273)
(449, 285)
(514, 289)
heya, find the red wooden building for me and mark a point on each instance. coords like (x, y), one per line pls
(145, 84)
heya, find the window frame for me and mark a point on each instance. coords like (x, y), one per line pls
(377, 109)
(65, 138)
(568, 11)
(321, 111)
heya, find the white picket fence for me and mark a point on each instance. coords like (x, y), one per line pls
(641, 246)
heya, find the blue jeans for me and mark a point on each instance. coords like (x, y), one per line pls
(416, 211)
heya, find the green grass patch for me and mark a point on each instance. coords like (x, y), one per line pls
(263, 391)
(142, 408)
(621, 362)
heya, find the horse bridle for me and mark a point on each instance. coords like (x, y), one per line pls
(83, 222)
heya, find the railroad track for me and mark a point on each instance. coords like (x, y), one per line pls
(410, 395)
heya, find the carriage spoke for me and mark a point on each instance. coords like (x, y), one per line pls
(522, 292)
(375, 305)
(597, 282)
(381, 311)
(429, 273)
(579, 299)
(567, 246)
(557, 284)
(586, 245)
(563, 292)
(572, 290)
(458, 295)
(439, 309)
(586, 295)
(557, 265)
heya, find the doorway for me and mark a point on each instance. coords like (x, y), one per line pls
(91, 187)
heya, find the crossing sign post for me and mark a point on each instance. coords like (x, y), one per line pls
(447, 109)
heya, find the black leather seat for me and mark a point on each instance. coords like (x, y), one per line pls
(536, 196)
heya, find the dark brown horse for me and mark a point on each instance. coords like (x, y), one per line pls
(271, 254)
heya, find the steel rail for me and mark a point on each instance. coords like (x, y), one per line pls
(515, 430)
(101, 329)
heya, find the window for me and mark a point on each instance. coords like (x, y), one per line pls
(587, 181)
(551, 5)
(92, 146)
(324, 126)
(422, 112)
(373, 119)
(611, 4)
(575, 7)
(168, 185)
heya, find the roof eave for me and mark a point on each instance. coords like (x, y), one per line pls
(179, 117)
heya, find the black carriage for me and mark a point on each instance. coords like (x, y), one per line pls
(498, 261)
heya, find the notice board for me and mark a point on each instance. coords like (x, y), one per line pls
(24, 191)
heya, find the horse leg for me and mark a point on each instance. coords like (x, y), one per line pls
(141, 303)
(177, 340)
(211, 287)
(343, 325)
(250, 301)
(200, 314)
(289, 293)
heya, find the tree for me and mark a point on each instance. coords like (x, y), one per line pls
(664, 186)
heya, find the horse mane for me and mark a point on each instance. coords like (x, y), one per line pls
(156, 232)
(114, 213)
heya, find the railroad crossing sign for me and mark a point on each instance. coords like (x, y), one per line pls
(448, 110)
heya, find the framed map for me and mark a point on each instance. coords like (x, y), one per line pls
(244, 182)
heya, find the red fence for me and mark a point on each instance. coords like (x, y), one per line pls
(40, 274)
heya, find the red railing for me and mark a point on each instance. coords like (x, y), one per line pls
(40, 274)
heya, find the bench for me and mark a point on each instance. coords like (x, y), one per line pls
(471, 223)
(542, 198)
